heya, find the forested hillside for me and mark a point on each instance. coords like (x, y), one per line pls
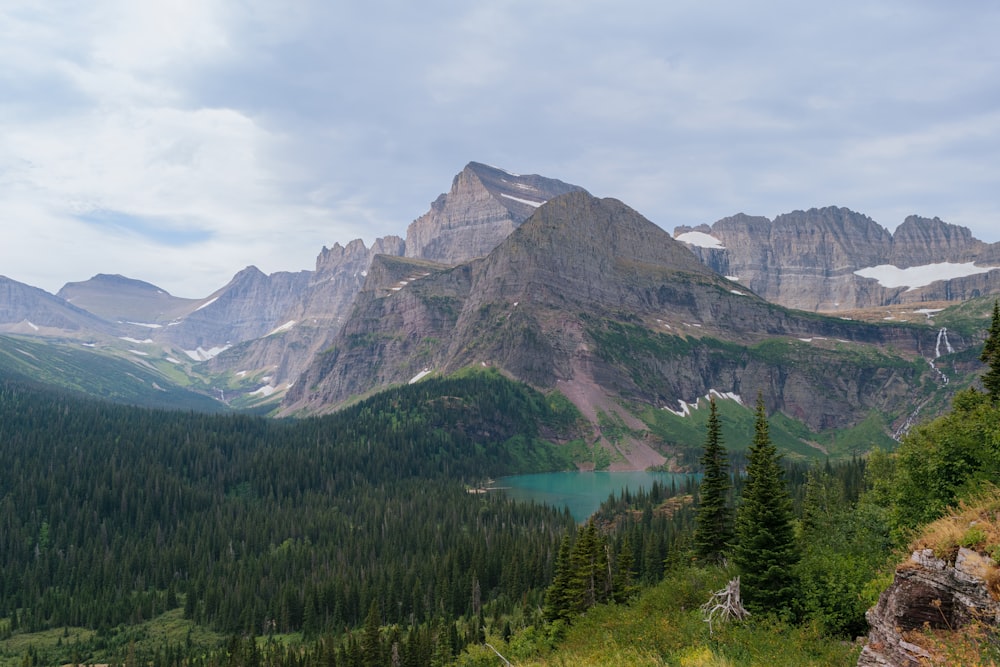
(110, 515)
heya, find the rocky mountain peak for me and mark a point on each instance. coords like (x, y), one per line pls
(356, 255)
(928, 240)
(485, 204)
(118, 298)
(832, 259)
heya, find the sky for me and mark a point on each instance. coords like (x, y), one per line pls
(177, 141)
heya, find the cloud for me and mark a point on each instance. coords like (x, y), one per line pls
(179, 142)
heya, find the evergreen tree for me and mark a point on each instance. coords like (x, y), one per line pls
(371, 645)
(765, 551)
(991, 356)
(557, 604)
(714, 523)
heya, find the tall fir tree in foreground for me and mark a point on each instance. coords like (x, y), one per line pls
(765, 551)
(991, 356)
(714, 521)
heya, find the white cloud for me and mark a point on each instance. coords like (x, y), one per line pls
(217, 134)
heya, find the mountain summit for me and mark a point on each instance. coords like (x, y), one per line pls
(590, 298)
(485, 204)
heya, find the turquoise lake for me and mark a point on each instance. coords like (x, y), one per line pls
(581, 492)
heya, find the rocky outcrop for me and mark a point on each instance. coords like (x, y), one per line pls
(928, 593)
(833, 259)
(483, 207)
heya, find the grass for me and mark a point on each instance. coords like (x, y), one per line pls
(664, 627)
(57, 646)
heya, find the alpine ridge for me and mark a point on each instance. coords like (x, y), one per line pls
(833, 259)
(590, 298)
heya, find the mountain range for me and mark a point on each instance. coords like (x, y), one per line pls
(543, 282)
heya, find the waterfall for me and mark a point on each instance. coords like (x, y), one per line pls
(942, 336)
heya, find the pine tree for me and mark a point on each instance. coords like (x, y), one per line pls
(765, 550)
(714, 520)
(557, 604)
(991, 356)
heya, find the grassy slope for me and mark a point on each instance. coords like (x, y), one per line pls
(57, 646)
(664, 627)
(96, 374)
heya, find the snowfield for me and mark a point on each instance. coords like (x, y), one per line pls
(913, 277)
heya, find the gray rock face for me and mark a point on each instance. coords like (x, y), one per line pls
(312, 316)
(29, 310)
(484, 206)
(246, 308)
(810, 259)
(120, 299)
(587, 294)
(927, 592)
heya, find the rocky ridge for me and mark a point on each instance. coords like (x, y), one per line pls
(576, 286)
(833, 259)
(485, 204)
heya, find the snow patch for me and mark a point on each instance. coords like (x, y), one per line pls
(31, 324)
(913, 277)
(136, 341)
(529, 202)
(701, 239)
(737, 292)
(206, 304)
(284, 327)
(240, 373)
(421, 375)
(928, 312)
(172, 360)
(266, 390)
(686, 408)
(735, 279)
(89, 344)
(147, 325)
(201, 354)
(140, 353)
(509, 173)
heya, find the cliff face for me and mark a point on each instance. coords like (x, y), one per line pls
(590, 297)
(928, 593)
(834, 259)
(310, 317)
(483, 207)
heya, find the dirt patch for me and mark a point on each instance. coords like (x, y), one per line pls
(589, 398)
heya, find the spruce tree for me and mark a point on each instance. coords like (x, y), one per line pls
(765, 550)
(991, 356)
(714, 523)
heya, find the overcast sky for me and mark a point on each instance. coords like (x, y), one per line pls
(177, 142)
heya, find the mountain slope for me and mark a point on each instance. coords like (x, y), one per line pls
(31, 311)
(589, 297)
(120, 299)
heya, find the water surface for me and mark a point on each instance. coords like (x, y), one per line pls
(581, 492)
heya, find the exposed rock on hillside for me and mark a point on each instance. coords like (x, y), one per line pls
(246, 308)
(29, 310)
(834, 259)
(484, 206)
(120, 299)
(311, 317)
(928, 594)
(590, 297)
